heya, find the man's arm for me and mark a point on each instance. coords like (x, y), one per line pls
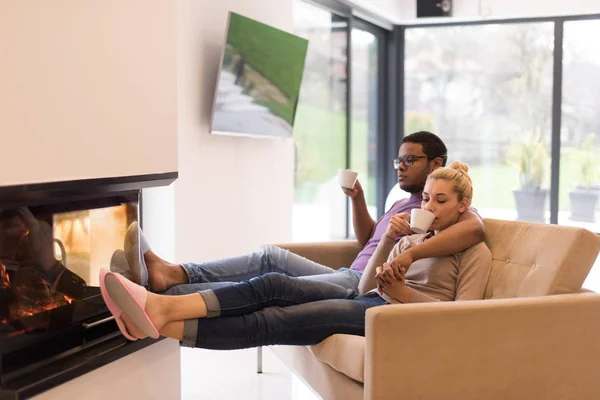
(467, 232)
(361, 219)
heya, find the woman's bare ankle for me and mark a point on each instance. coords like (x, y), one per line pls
(156, 308)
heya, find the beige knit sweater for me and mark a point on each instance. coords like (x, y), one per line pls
(461, 276)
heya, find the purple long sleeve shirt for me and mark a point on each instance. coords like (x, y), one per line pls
(404, 205)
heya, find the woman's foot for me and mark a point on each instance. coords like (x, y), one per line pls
(132, 328)
(163, 275)
(155, 311)
(140, 313)
(167, 314)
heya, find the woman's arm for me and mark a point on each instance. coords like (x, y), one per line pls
(467, 232)
(402, 293)
(474, 267)
(383, 250)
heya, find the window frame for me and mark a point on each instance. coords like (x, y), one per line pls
(384, 73)
(557, 78)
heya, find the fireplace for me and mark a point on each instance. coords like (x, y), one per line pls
(54, 238)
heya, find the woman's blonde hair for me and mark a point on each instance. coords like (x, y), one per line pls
(458, 173)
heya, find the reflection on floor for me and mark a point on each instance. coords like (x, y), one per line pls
(225, 375)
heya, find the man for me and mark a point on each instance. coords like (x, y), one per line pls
(419, 154)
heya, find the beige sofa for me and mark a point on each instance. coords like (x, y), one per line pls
(518, 343)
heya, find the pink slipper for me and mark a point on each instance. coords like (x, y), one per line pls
(125, 297)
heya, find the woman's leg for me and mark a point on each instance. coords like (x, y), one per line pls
(303, 324)
(242, 298)
(269, 290)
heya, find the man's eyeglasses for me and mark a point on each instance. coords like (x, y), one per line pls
(407, 160)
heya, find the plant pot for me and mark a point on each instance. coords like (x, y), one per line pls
(583, 204)
(531, 204)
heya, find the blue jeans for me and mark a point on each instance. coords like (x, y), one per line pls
(226, 272)
(277, 309)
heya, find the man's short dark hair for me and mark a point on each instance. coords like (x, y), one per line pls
(432, 144)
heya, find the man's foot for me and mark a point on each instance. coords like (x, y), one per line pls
(153, 271)
(163, 275)
(134, 251)
(119, 265)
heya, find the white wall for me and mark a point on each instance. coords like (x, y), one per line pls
(158, 218)
(87, 89)
(97, 88)
(233, 193)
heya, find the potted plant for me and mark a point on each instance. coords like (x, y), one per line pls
(530, 157)
(584, 197)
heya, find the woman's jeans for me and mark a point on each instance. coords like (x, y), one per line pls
(226, 272)
(277, 309)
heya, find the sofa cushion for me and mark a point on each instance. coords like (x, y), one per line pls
(344, 353)
(531, 259)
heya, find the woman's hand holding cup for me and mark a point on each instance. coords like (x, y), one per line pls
(421, 220)
(399, 225)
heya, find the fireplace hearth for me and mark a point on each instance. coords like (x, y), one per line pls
(54, 238)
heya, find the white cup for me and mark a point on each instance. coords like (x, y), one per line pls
(347, 178)
(420, 220)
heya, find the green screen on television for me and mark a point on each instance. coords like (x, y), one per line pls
(259, 81)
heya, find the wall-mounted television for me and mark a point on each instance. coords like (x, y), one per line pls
(259, 80)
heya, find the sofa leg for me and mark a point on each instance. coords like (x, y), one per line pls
(259, 360)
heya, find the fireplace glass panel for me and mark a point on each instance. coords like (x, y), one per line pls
(51, 256)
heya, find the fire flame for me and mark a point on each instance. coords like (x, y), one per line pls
(4, 278)
(29, 301)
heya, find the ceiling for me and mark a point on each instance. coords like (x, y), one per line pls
(391, 10)
(405, 11)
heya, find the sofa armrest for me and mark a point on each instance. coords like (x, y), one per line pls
(526, 348)
(335, 255)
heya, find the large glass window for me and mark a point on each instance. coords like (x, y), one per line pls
(486, 90)
(580, 129)
(325, 140)
(320, 128)
(365, 111)
(580, 133)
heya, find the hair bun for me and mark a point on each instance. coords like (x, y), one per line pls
(460, 166)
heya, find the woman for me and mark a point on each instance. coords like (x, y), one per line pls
(277, 309)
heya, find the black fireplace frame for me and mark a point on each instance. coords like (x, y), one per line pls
(106, 344)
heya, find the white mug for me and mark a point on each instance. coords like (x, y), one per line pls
(420, 220)
(347, 178)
